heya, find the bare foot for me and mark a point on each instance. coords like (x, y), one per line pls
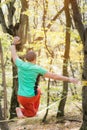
(19, 113)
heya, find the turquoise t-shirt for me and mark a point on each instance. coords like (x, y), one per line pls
(28, 74)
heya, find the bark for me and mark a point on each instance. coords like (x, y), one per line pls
(84, 87)
(3, 81)
(65, 62)
(14, 102)
(77, 19)
(2, 20)
(48, 100)
(23, 28)
(45, 7)
(21, 31)
(83, 35)
(11, 11)
(3, 125)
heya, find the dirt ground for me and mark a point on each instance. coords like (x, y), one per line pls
(68, 122)
(71, 121)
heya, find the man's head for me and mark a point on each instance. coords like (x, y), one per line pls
(30, 56)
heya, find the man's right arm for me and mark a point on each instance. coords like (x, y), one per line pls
(60, 77)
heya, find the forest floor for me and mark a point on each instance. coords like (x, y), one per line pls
(68, 122)
(71, 121)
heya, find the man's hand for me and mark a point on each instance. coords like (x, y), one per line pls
(73, 80)
(16, 40)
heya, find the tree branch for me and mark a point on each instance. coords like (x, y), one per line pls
(54, 18)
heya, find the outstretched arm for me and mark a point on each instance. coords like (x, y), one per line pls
(60, 77)
(16, 41)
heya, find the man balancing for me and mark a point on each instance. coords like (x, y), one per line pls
(28, 75)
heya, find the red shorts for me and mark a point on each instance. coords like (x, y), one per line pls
(30, 104)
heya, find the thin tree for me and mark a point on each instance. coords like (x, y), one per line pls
(45, 7)
(66, 59)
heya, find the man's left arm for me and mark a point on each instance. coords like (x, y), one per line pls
(16, 41)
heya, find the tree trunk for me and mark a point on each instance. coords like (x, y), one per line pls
(77, 19)
(65, 62)
(45, 7)
(84, 87)
(3, 82)
(48, 101)
(3, 125)
(23, 28)
(14, 102)
(83, 35)
(22, 33)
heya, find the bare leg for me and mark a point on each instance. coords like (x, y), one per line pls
(19, 113)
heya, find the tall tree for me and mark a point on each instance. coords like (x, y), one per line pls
(3, 81)
(83, 35)
(3, 125)
(21, 31)
(66, 58)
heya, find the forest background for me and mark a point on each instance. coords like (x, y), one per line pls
(49, 28)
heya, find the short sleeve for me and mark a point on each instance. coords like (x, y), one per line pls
(19, 62)
(42, 70)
